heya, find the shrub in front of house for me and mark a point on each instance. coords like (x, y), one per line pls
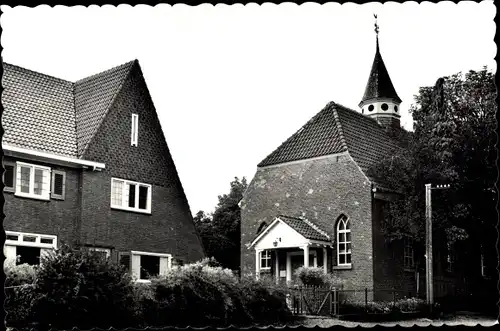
(310, 276)
(203, 294)
(77, 288)
(408, 305)
(313, 276)
(265, 301)
(19, 294)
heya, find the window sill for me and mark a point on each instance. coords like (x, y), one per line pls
(57, 198)
(342, 267)
(8, 190)
(137, 211)
(29, 196)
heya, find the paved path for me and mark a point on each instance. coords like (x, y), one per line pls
(468, 320)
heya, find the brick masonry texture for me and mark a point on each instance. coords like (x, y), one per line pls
(55, 217)
(170, 227)
(320, 190)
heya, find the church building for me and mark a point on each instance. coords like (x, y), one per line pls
(313, 203)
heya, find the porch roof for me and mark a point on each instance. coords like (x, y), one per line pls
(307, 230)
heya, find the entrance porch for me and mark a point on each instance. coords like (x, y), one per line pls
(287, 244)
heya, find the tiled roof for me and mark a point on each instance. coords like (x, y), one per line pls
(305, 227)
(93, 97)
(367, 141)
(379, 83)
(336, 129)
(48, 114)
(320, 136)
(38, 111)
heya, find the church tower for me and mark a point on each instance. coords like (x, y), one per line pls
(380, 100)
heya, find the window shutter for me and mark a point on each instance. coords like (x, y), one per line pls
(9, 177)
(58, 184)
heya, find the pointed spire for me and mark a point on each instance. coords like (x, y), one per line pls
(379, 83)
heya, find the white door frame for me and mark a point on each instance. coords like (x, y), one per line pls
(289, 261)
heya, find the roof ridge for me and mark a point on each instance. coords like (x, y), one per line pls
(339, 126)
(315, 227)
(129, 63)
(37, 72)
(101, 120)
(294, 135)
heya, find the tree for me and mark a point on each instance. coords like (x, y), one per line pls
(454, 143)
(220, 231)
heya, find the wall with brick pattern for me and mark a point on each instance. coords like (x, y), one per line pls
(321, 190)
(170, 227)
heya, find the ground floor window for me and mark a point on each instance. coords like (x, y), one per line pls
(21, 248)
(104, 253)
(146, 265)
(265, 260)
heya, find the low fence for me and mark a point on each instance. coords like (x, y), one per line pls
(311, 300)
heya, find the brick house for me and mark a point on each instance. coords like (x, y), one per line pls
(86, 164)
(312, 201)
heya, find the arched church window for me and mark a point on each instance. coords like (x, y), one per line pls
(385, 106)
(343, 241)
(370, 107)
(396, 108)
(262, 226)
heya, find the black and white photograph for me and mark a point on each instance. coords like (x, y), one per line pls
(216, 165)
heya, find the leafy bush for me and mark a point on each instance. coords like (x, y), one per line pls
(265, 300)
(201, 294)
(311, 276)
(79, 288)
(410, 305)
(19, 294)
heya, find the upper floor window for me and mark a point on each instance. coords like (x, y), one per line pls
(135, 130)
(32, 181)
(265, 260)
(408, 253)
(343, 241)
(129, 195)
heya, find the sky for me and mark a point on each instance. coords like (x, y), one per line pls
(230, 83)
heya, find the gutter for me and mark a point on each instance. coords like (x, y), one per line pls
(52, 158)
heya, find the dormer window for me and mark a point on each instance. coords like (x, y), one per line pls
(135, 130)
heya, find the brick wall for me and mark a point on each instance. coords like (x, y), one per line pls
(54, 217)
(170, 227)
(320, 190)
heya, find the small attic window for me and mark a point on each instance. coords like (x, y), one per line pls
(385, 106)
(395, 108)
(135, 130)
(370, 107)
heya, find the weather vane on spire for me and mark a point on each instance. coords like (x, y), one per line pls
(376, 25)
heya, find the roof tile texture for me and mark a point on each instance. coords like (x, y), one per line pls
(304, 228)
(48, 114)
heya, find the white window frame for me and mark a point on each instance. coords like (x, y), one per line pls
(136, 264)
(124, 205)
(53, 180)
(345, 220)
(134, 132)
(101, 249)
(408, 253)
(45, 190)
(20, 242)
(14, 175)
(265, 255)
